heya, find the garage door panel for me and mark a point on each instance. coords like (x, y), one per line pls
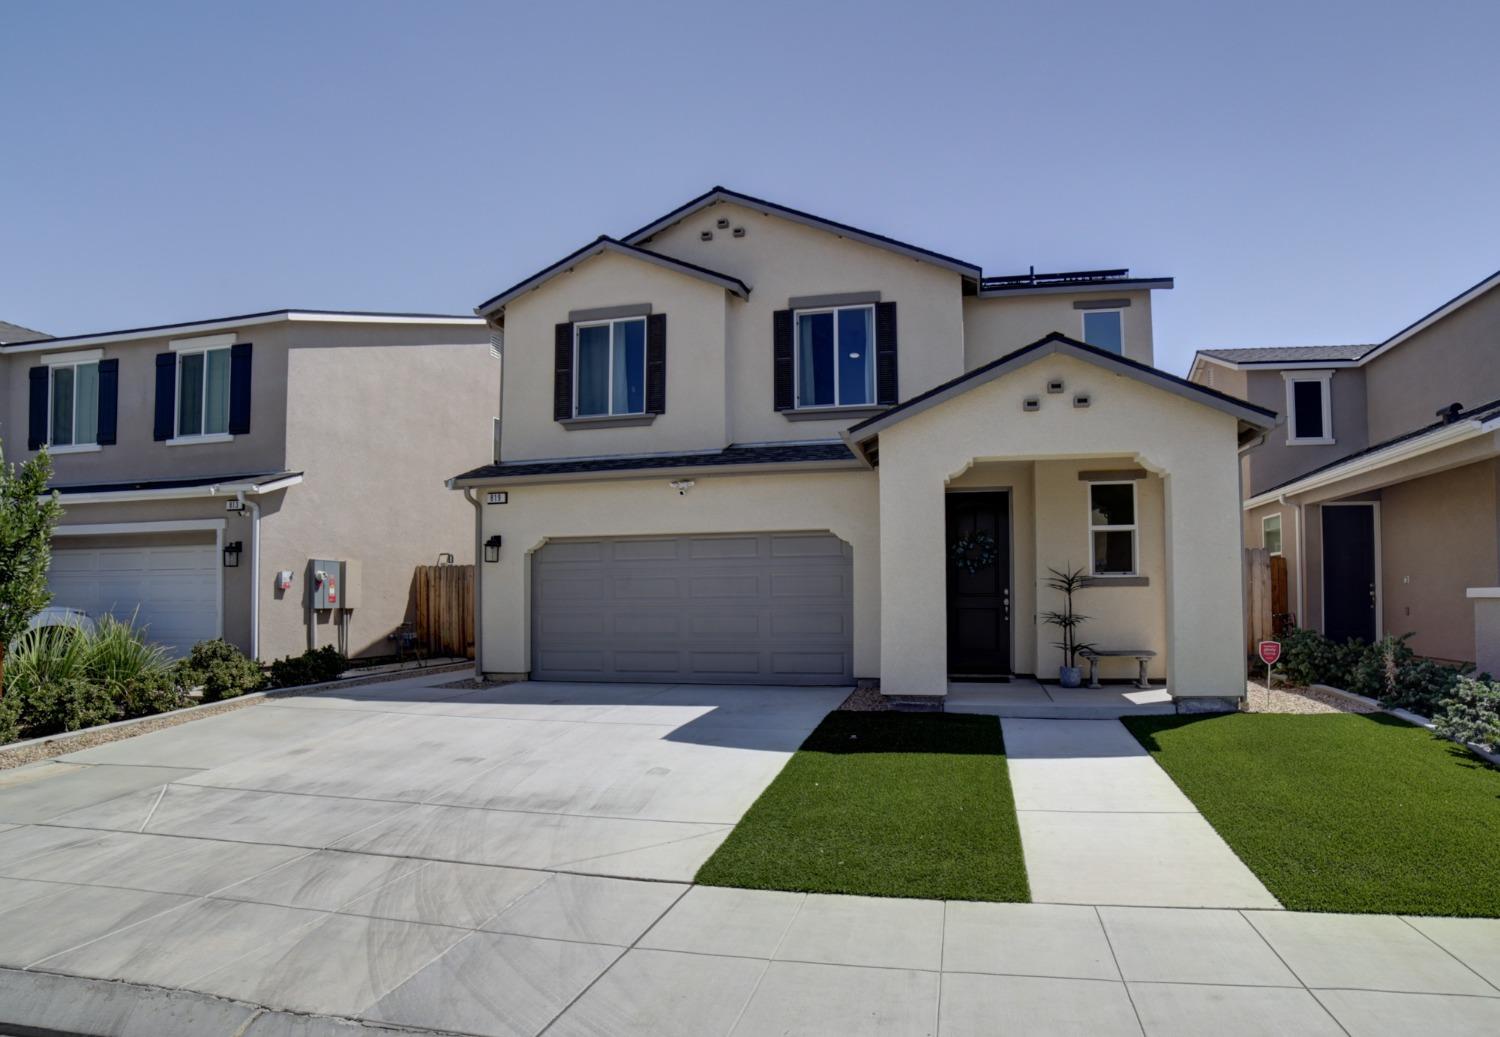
(170, 590)
(746, 608)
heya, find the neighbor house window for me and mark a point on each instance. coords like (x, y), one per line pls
(1309, 414)
(611, 365)
(73, 404)
(1105, 329)
(203, 392)
(835, 365)
(1270, 534)
(1112, 528)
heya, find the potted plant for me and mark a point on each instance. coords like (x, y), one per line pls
(1069, 674)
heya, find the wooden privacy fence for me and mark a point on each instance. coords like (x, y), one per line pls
(1267, 615)
(445, 609)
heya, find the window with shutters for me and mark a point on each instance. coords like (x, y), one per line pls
(609, 364)
(835, 350)
(202, 393)
(73, 405)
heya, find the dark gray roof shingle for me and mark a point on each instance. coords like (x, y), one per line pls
(1288, 354)
(16, 333)
(785, 453)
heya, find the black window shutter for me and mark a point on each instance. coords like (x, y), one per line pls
(656, 363)
(36, 428)
(239, 388)
(109, 401)
(784, 379)
(166, 396)
(562, 372)
(886, 391)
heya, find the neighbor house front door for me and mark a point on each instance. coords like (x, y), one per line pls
(1349, 584)
(978, 561)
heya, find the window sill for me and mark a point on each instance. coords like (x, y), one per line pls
(1117, 581)
(1311, 442)
(217, 437)
(608, 421)
(833, 413)
(74, 448)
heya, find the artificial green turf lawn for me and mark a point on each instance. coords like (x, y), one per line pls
(884, 804)
(1342, 812)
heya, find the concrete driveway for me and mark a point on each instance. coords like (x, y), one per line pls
(372, 852)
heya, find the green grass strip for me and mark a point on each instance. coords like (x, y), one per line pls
(884, 804)
(1342, 813)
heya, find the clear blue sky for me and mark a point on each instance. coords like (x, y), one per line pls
(1309, 172)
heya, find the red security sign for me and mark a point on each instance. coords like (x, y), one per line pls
(1270, 651)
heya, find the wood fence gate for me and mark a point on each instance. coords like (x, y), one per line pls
(1267, 614)
(445, 609)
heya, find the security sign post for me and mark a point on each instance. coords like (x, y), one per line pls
(1270, 651)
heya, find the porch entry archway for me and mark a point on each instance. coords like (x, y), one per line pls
(979, 592)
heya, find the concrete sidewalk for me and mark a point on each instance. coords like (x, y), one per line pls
(1102, 823)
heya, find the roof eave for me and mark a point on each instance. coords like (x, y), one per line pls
(468, 482)
(1141, 284)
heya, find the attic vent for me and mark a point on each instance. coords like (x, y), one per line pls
(722, 223)
(1449, 414)
(739, 232)
(1032, 403)
(1082, 400)
(1055, 386)
(707, 235)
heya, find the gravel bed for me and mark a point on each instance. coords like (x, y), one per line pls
(1299, 700)
(473, 683)
(866, 700)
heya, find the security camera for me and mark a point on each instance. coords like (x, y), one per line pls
(681, 486)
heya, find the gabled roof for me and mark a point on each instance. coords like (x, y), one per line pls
(241, 320)
(1271, 356)
(601, 244)
(764, 455)
(1250, 416)
(723, 194)
(15, 333)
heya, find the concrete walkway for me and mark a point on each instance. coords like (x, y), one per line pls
(1102, 823)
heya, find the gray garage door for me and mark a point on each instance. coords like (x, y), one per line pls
(766, 608)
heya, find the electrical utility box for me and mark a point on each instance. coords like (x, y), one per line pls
(333, 583)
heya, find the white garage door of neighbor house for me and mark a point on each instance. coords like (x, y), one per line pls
(172, 590)
(752, 608)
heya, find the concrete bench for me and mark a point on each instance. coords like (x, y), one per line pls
(1141, 655)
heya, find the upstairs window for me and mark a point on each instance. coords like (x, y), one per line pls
(203, 393)
(1270, 534)
(73, 404)
(610, 358)
(1309, 414)
(1104, 329)
(1112, 528)
(835, 357)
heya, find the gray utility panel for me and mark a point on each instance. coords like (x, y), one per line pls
(754, 608)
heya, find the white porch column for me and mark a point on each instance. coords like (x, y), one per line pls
(1205, 563)
(1486, 629)
(913, 578)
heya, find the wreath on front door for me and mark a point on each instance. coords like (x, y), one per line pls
(973, 552)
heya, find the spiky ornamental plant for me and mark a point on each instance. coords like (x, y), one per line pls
(1067, 581)
(28, 513)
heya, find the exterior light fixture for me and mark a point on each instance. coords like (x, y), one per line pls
(492, 549)
(681, 486)
(232, 554)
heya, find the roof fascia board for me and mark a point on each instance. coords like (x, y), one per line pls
(721, 194)
(1423, 323)
(226, 324)
(164, 526)
(1140, 285)
(849, 464)
(1273, 365)
(605, 244)
(250, 489)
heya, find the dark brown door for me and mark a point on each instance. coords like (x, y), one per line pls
(978, 560)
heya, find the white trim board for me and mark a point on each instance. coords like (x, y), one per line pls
(279, 317)
(165, 526)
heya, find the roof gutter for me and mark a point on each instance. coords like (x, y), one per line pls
(857, 464)
(202, 327)
(179, 492)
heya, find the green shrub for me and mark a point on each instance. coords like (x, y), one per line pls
(1307, 657)
(152, 692)
(10, 730)
(1375, 673)
(1471, 712)
(1421, 686)
(221, 670)
(314, 666)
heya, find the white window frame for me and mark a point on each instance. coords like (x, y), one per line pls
(1134, 528)
(1265, 523)
(1292, 378)
(1083, 322)
(53, 362)
(797, 316)
(610, 383)
(178, 439)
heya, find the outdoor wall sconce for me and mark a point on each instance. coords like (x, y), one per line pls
(232, 554)
(492, 549)
(682, 486)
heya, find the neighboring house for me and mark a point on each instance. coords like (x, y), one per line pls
(15, 333)
(196, 462)
(746, 444)
(1380, 488)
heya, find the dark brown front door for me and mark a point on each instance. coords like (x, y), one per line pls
(978, 560)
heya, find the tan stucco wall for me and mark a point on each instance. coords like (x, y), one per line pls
(779, 260)
(843, 503)
(994, 327)
(1273, 462)
(1191, 445)
(696, 403)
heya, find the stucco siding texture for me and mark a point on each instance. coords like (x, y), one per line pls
(1275, 461)
(995, 327)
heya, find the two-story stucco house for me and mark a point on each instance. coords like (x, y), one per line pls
(202, 467)
(746, 444)
(1382, 486)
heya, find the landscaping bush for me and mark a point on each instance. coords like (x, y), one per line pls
(314, 666)
(1307, 657)
(1388, 670)
(1471, 712)
(1375, 672)
(9, 729)
(221, 670)
(1422, 685)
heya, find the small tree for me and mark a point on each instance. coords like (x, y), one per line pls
(28, 514)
